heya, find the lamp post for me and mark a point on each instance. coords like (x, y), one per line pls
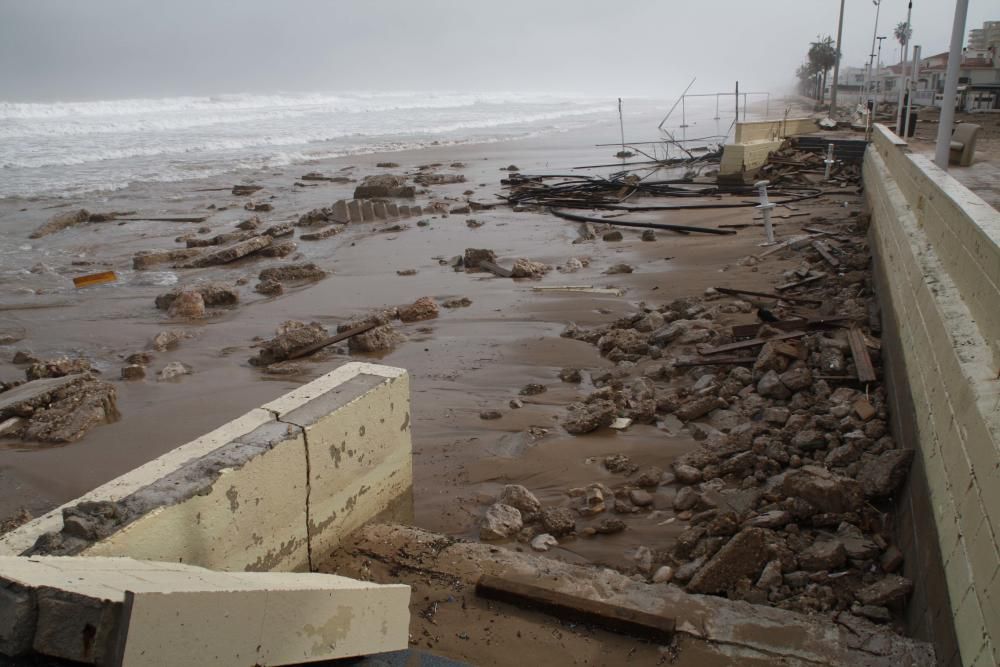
(901, 131)
(878, 69)
(836, 62)
(950, 85)
(878, 8)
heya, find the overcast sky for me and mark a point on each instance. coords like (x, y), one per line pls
(106, 49)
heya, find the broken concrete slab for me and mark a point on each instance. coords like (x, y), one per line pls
(21, 400)
(229, 253)
(126, 611)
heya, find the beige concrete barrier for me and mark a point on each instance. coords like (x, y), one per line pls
(937, 252)
(754, 141)
(258, 494)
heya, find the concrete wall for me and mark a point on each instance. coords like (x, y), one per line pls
(937, 249)
(261, 493)
(754, 141)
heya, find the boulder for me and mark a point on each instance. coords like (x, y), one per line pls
(823, 555)
(383, 185)
(884, 474)
(742, 556)
(501, 522)
(520, 497)
(888, 589)
(473, 256)
(292, 272)
(587, 417)
(284, 345)
(558, 521)
(823, 489)
(424, 308)
(524, 268)
(770, 386)
(188, 305)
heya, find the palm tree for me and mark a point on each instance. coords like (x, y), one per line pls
(822, 56)
(903, 32)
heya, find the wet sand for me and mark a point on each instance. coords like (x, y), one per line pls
(467, 360)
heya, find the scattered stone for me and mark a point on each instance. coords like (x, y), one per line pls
(287, 343)
(612, 236)
(770, 386)
(544, 542)
(245, 190)
(884, 474)
(292, 272)
(167, 339)
(473, 256)
(22, 357)
(640, 498)
(516, 403)
(687, 474)
(823, 489)
(620, 464)
(58, 367)
(187, 304)
(888, 589)
(524, 268)
(532, 389)
(406, 272)
(699, 407)
(279, 250)
(383, 185)
(558, 521)
(424, 308)
(490, 414)
(269, 288)
(230, 253)
(501, 522)
(146, 259)
(61, 221)
(462, 302)
(770, 576)
(685, 499)
(743, 556)
(570, 375)
(891, 559)
(173, 370)
(618, 268)
(663, 575)
(609, 527)
(524, 500)
(133, 372)
(588, 417)
(823, 555)
(648, 235)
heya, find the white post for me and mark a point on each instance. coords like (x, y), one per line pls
(836, 64)
(765, 208)
(828, 162)
(912, 88)
(900, 132)
(951, 85)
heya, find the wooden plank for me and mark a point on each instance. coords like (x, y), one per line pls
(766, 295)
(862, 362)
(616, 618)
(750, 330)
(316, 347)
(729, 347)
(785, 244)
(719, 361)
(824, 251)
(799, 283)
(95, 279)
(176, 219)
(495, 269)
(583, 289)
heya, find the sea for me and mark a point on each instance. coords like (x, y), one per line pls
(70, 148)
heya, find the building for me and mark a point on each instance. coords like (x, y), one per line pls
(978, 79)
(983, 38)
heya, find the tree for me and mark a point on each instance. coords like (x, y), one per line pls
(822, 56)
(903, 32)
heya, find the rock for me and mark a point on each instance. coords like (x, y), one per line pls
(220, 239)
(699, 407)
(383, 185)
(649, 478)
(133, 372)
(379, 339)
(250, 224)
(888, 589)
(230, 253)
(188, 305)
(544, 542)
(774, 519)
(387, 165)
(55, 368)
(742, 556)
(245, 190)
(570, 375)
(640, 498)
(524, 268)
(613, 236)
(490, 415)
(687, 474)
(891, 559)
(667, 334)
(22, 357)
(776, 415)
(823, 555)
(824, 490)
(648, 235)
(664, 573)
(65, 409)
(770, 386)
(168, 339)
(685, 572)
(287, 343)
(881, 476)
(516, 403)
(594, 501)
(424, 308)
(269, 288)
(532, 389)
(285, 368)
(873, 613)
(770, 576)
(501, 522)
(212, 295)
(558, 521)
(685, 499)
(520, 497)
(426, 179)
(618, 268)
(619, 463)
(797, 378)
(587, 417)
(473, 256)
(863, 409)
(842, 455)
(282, 249)
(610, 527)
(649, 322)
(292, 272)
(809, 438)
(462, 302)
(173, 370)
(725, 420)
(626, 340)
(61, 221)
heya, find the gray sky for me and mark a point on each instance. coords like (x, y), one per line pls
(105, 49)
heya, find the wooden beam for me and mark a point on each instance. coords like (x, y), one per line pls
(862, 362)
(719, 361)
(798, 283)
(729, 347)
(824, 251)
(495, 269)
(316, 347)
(766, 295)
(616, 618)
(750, 330)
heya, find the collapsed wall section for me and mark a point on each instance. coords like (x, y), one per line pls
(754, 141)
(937, 253)
(258, 494)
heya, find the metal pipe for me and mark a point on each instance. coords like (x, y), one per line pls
(878, 8)
(951, 85)
(836, 63)
(828, 162)
(765, 208)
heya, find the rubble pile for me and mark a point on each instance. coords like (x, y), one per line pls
(57, 408)
(790, 165)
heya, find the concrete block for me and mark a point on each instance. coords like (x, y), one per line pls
(340, 212)
(367, 211)
(18, 614)
(76, 627)
(404, 211)
(354, 211)
(393, 210)
(381, 211)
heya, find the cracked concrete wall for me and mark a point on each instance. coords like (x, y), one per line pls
(937, 253)
(264, 492)
(754, 141)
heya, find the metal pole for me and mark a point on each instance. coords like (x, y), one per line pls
(878, 8)
(716, 107)
(683, 112)
(836, 63)
(767, 105)
(902, 62)
(912, 88)
(878, 70)
(765, 209)
(737, 98)
(828, 162)
(621, 124)
(951, 85)
(744, 106)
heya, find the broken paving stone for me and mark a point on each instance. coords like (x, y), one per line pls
(188, 305)
(699, 407)
(173, 370)
(292, 272)
(72, 411)
(383, 185)
(501, 522)
(618, 268)
(742, 556)
(230, 253)
(423, 308)
(889, 589)
(558, 521)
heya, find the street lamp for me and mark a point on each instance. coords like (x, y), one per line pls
(878, 8)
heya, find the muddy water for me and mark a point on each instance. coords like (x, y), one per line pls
(467, 360)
